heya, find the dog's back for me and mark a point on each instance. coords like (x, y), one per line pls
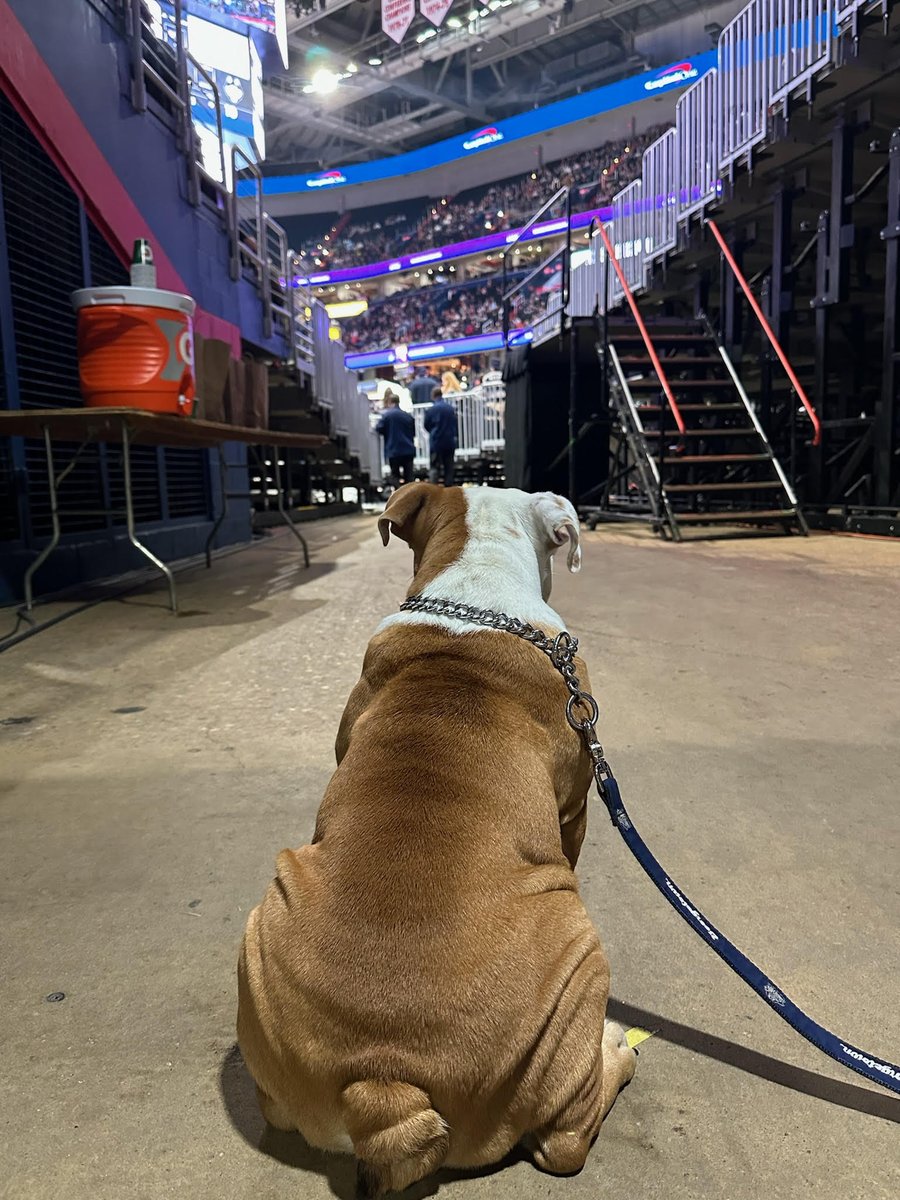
(402, 968)
(422, 985)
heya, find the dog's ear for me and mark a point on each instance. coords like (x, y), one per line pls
(560, 522)
(402, 509)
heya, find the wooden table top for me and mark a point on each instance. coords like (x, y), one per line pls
(148, 428)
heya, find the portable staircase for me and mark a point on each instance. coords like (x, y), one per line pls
(687, 449)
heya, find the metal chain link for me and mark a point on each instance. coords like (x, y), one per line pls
(582, 711)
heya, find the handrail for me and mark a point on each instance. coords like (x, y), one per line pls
(635, 418)
(217, 104)
(257, 255)
(506, 296)
(527, 229)
(642, 328)
(769, 331)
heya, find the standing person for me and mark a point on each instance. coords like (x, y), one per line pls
(449, 382)
(399, 430)
(421, 387)
(440, 423)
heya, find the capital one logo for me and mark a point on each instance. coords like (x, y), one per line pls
(326, 179)
(484, 137)
(671, 76)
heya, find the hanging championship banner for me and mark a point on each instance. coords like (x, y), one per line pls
(434, 10)
(396, 17)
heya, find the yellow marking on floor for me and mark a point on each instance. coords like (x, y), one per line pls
(635, 1036)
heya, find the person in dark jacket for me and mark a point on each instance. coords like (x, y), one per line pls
(440, 424)
(399, 430)
(422, 387)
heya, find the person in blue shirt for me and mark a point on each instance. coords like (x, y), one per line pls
(421, 387)
(440, 424)
(399, 431)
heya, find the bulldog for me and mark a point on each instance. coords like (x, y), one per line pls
(422, 986)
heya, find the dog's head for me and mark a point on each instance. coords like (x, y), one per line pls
(441, 524)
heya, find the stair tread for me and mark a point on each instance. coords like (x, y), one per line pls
(674, 433)
(752, 485)
(731, 516)
(679, 384)
(714, 458)
(675, 360)
(731, 407)
(657, 335)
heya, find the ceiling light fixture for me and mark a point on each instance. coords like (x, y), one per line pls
(324, 81)
(375, 62)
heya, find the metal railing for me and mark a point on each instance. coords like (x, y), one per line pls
(163, 71)
(698, 126)
(160, 65)
(250, 232)
(642, 329)
(659, 200)
(511, 297)
(208, 154)
(769, 332)
(802, 44)
(771, 51)
(481, 422)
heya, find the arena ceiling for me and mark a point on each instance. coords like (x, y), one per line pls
(351, 94)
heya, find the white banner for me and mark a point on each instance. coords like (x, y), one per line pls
(434, 10)
(396, 17)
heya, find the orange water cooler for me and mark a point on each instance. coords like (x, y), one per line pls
(136, 349)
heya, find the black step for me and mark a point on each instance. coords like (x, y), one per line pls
(675, 360)
(713, 458)
(723, 487)
(660, 338)
(678, 385)
(732, 517)
(700, 408)
(675, 433)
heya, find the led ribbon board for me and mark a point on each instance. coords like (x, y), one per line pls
(481, 141)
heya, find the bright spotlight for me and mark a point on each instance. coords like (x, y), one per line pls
(324, 81)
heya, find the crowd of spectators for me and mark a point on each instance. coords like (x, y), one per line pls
(596, 174)
(439, 313)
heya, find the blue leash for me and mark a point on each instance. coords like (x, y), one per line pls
(875, 1069)
(582, 713)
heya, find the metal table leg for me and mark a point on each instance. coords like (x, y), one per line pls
(279, 492)
(129, 519)
(54, 516)
(223, 480)
(284, 512)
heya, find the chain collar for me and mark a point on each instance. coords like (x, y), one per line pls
(582, 712)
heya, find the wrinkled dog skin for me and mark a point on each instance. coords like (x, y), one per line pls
(422, 986)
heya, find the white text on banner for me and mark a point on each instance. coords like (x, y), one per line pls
(396, 18)
(434, 10)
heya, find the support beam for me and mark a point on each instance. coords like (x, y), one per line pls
(778, 295)
(823, 354)
(732, 300)
(887, 437)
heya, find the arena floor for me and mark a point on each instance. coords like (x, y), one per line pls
(153, 766)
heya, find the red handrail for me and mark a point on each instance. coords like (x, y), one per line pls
(769, 332)
(635, 312)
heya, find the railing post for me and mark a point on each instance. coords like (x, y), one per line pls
(262, 250)
(887, 440)
(138, 83)
(234, 232)
(185, 127)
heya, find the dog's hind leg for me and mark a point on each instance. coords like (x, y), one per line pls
(562, 1146)
(275, 1115)
(588, 1062)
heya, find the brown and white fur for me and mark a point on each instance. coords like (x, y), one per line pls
(422, 986)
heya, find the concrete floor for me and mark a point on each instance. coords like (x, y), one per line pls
(151, 768)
